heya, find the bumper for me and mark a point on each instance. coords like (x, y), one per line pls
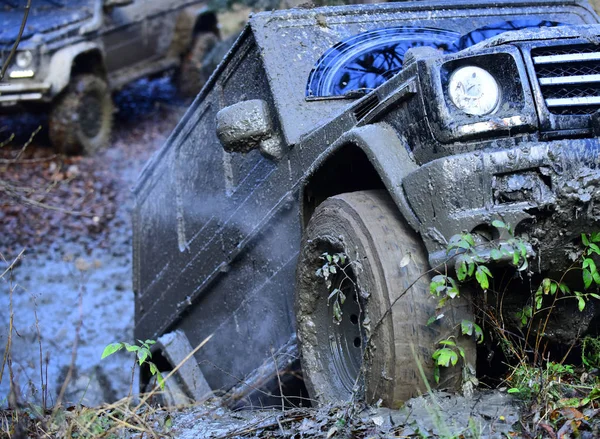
(12, 94)
(548, 192)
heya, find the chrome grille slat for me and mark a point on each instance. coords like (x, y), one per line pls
(569, 78)
(561, 80)
(571, 102)
(569, 57)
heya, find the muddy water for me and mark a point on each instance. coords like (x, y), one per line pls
(76, 275)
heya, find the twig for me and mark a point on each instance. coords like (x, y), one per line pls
(175, 369)
(17, 41)
(63, 388)
(13, 191)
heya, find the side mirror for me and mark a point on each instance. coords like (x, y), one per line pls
(247, 125)
(116, 3)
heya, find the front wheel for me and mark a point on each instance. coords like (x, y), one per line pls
(371, 342)
(80, 121)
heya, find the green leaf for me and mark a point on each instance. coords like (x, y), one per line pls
(595, 249)
(447, 343)
(471, 269)
(524, 265)
(337, 312)
(328, 256)
(436, 374)
(564, 288)
(513, 390)
(332, 294)
(111, 349)
(482, 278)
(332, 269)
(553, 288)
(581, 303)
(153, 368)
(142, 356)
(343, 258)
(516, 258)
(468, 238)
(486, 270)
(336, 259)
(595, 237)
(585, 240)
(132, 348)
(160, 380)
(546, 285)
(342, 297)
(595, 296)
(587, 278)
(466, 327)
(496, 254)
(434, 319)
(445, 357)
(499, 225)
(596, 277)
(461, 273)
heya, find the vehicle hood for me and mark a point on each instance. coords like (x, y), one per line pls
(39, 22)
(590, 32)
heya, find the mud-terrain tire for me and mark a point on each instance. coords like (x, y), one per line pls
(80, 121)
(368, 228)
(192, 75)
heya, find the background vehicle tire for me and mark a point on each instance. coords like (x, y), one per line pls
(192, 76)
(81, 119)
(367, 227)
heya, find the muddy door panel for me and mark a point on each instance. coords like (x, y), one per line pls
(125, 38)
(233, 236)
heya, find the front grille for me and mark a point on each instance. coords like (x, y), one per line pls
(569, 78)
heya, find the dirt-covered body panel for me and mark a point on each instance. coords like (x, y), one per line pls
(218, 222)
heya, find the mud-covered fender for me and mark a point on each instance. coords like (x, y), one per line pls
(61, 63)
(389, 155)
(186, 26)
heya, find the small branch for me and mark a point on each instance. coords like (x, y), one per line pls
(17, 41)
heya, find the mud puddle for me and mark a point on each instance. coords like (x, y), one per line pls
(71, 219)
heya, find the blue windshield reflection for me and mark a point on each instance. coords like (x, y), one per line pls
(363, 62)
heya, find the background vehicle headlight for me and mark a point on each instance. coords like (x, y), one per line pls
(23, 59)
(473, 90)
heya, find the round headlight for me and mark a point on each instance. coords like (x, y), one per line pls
(473, 90)
(23, 59)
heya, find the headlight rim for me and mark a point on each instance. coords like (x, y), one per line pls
(477, 106)
(24, 59)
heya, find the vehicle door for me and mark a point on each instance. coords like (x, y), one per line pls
(125, 35)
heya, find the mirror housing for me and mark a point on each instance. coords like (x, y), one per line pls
(247, 125)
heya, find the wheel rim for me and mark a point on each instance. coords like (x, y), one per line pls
(90, 115)
(346, 338)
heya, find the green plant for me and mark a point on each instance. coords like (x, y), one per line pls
(143, 356)
(335, 265)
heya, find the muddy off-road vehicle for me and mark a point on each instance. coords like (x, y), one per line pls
(74, 53)
(371, 134)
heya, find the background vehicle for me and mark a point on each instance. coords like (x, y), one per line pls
(73, 54)
(378, 132)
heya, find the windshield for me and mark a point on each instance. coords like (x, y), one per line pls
(363, 62)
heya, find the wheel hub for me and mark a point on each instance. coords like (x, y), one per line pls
(90, 115)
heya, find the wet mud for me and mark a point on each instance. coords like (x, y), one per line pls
(69, 218)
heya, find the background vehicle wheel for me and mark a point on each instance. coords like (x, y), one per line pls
(192, 76)
(367, 227)
(81, 119)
